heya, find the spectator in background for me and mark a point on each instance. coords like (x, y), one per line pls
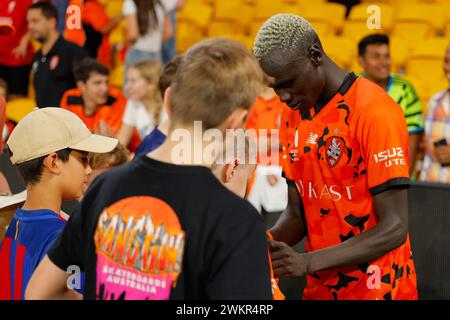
(158, 135)
(53, 63)
(61, 7)
(374, 58)
(16, 51)
(267, 191)
(169, 46)
(147, 25)
(144, 109)
(100, 106)
(436, 165)
(94, 34)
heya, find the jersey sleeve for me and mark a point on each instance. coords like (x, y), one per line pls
(413, 110)
(383, 137)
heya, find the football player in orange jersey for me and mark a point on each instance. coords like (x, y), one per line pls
(345, 157)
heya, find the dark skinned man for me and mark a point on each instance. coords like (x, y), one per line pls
(345, 157)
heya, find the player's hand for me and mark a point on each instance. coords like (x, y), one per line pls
(443, 154)
(286, 261)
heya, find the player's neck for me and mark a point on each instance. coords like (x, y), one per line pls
(335, 77)
(42, 196)
(186, 146)
(48, 44)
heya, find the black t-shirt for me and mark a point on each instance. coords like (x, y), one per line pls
(54, 72)
(152, 230)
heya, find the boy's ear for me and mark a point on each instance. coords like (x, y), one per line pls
(167, 101)
(50, 163)
(236, 119)
(80, 86)
(229, 171)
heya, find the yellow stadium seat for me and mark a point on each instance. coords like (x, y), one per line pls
(323, 29)
(222, 28)
(427, 68)
(340, 49)
(433, 47)
(234, 11)
(332, 13)
(413, 31)
(266, 9)
(356, 30)
(113, 7)
(429, 13)
(117, 76)
(200, 14)
(18, 108)
(187, 35)
(362, 12)
(399, 48)
(355, 67)
(117, 36)
(254, 27)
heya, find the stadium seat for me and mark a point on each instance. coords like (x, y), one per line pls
(400, 48)
(413, 31)
(222, 28)
(18, 108)
(117, 76)
(323, 29)
(187, 35)
(197, 13)
(266, 9)
(356, 30)
(387, 14)
(429, 13)
(332, 13)
(433, 47)
(342, 50)
(234, 11)
(117, 36)
(113, 7)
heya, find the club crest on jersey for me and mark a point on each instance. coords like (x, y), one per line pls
(335, 147)
(54, 62)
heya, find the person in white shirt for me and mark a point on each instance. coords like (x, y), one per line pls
(147, 25)
(144, 110)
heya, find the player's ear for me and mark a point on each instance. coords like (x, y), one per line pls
(315, 54)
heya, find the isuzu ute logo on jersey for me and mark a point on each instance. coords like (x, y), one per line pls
(335, 149)
(390, 157)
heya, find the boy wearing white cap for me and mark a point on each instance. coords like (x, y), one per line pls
(49, 147)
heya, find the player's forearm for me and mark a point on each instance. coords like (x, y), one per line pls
(362, 248)
(289, 228)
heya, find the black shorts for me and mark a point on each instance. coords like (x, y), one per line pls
(17, 78)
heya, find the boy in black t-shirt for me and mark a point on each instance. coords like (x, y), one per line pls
(163, 226)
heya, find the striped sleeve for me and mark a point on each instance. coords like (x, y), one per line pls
(413, 109)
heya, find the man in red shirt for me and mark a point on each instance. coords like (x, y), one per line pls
(345, 157)
(16, 51)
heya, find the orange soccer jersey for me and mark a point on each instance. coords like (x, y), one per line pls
(111, 112)
(354, 148)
